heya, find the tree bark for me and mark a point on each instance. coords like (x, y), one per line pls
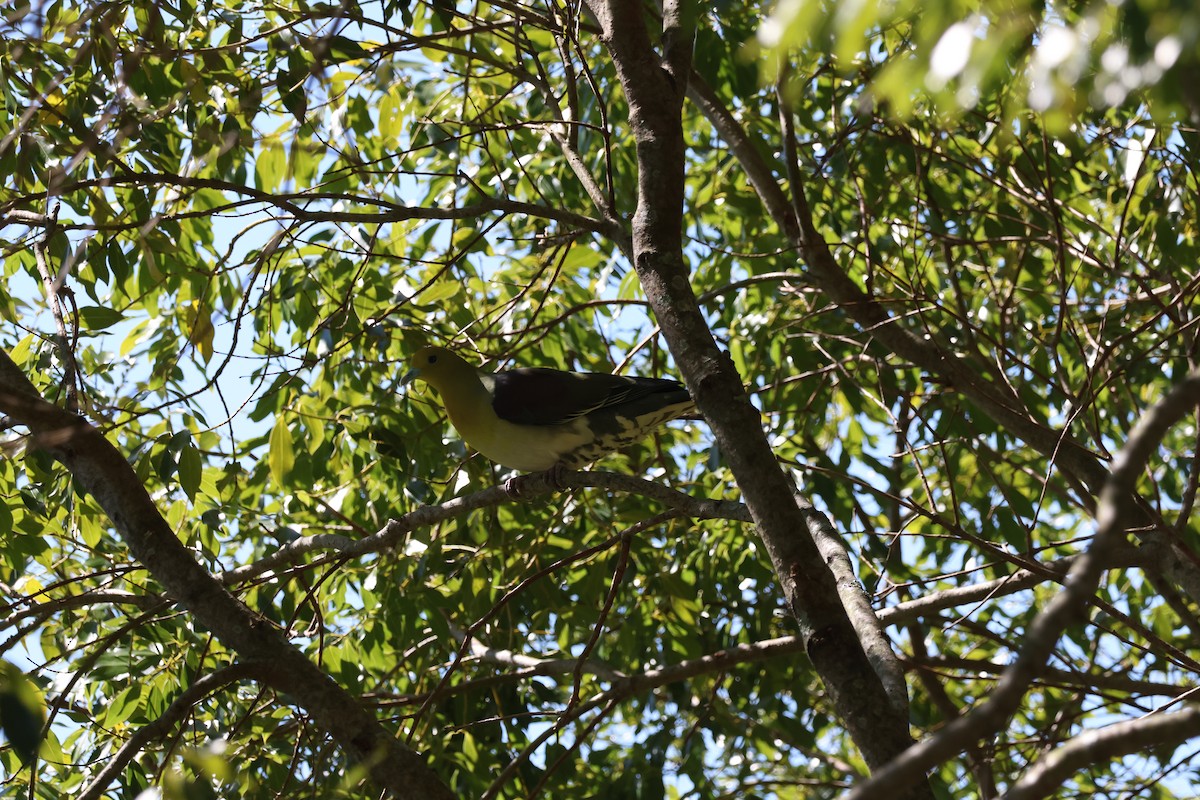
(654, 88)
(102, 471)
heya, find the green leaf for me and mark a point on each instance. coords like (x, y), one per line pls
(270, 168)
(344, 49)
(97, 318)
(405, 9)
(21, 351)
(190, 470)
(22, 711)
(290, 84)
(281, 455)
(630, 287)
(439, 292)
(444, 10)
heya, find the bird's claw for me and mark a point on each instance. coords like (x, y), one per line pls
(553, 478)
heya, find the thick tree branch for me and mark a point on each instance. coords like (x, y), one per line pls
(1089, 747)
(794, 217)
(866, 622)
(1067, 608)
(654, 88)
(102, 471)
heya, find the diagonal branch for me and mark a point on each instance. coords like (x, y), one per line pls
(1067, 608)
(794, 217)
(180, 707)
(102, 471)
(1089, 747)
(654, 88)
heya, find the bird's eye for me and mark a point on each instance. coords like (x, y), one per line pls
(433, 359)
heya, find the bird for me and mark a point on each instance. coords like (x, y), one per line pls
(537, 419)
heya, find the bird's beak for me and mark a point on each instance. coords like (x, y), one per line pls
(410, 376)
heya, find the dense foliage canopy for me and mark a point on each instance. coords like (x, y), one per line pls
(951, 254)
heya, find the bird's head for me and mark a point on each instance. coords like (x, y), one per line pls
(438, 367)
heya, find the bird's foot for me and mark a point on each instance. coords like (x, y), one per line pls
(552, 477)
(555, 475)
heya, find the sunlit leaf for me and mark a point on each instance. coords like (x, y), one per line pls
(281, 453)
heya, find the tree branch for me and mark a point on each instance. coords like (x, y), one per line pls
(1051, 676)
(1112, 741)
(532, 486)
(102, 471)
(654, 88)
(1068, 606)
(794, 218)
(1018, 581)
(180, 707)
(294, 205)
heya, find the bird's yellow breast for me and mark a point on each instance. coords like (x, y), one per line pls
(528, 448)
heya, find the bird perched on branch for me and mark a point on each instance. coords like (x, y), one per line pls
(545, 419)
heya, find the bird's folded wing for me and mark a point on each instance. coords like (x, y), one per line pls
(534, 396)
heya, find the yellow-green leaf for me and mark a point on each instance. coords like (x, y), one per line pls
(281, 455)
